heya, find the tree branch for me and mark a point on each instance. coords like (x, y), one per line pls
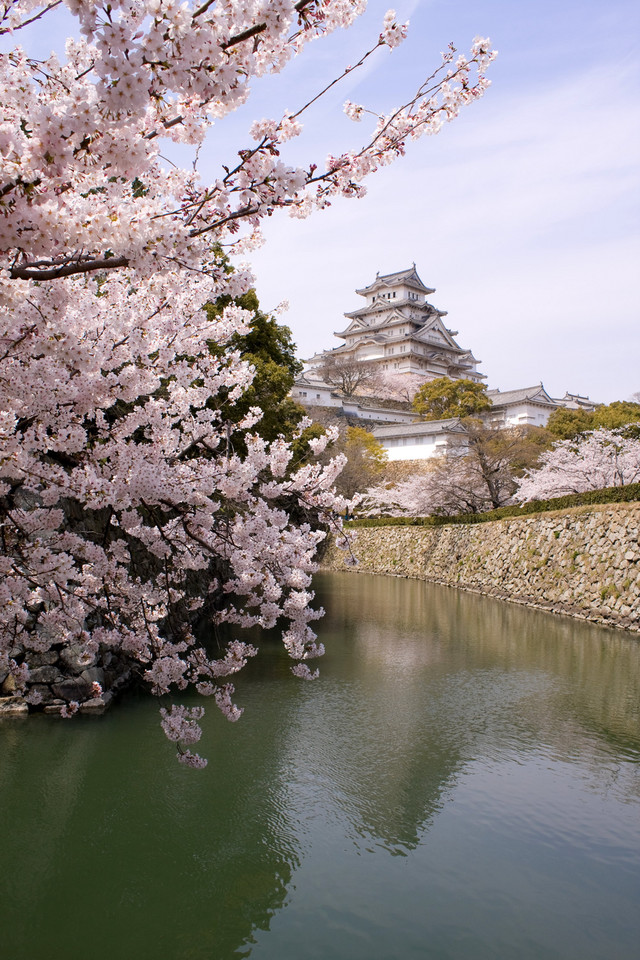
(25, 23)
(32, 271)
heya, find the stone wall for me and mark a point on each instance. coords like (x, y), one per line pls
(584, 562)
(63, 675)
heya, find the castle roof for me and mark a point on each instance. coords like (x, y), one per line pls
(391, 314)
(420, 428)
(536, 394)
(408, 277)
(381, 305)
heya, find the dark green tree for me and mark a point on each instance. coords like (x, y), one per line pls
(567, 424)
(620, 413)
(269, 348)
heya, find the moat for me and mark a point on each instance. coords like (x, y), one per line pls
(463, 781)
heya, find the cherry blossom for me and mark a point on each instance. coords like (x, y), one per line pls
(127, 514)
(444, 487)
(598, 459)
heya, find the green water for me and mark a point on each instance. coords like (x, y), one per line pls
(462, 782)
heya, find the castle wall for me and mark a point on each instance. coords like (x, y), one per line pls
(583, 562)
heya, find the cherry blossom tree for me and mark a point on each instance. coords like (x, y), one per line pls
(443, 487)
(126, 511)
(601, 458)
(399, 386)
(350, 375)
(479, 473)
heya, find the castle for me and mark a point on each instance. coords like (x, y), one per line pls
(398, 332)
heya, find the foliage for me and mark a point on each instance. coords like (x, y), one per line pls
(598, 459)
(399, 386)
(626, 494)
(128, 508)
(479, 472)
(568, 424)
(443, 398)
(365, 460)
(620, 413)
(269, 348)
(350, 375)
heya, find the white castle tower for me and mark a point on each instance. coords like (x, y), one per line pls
(399, 332)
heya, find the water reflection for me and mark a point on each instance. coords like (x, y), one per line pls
(458, 761)
(427, 679)
(112, 846)
(593, 671)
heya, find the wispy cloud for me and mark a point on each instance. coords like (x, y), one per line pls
(521, 214)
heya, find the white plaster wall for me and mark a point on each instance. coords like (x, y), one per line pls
(416, 451)
(526, 414)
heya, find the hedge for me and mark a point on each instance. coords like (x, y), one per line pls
(624, 494)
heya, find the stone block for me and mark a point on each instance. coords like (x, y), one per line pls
(46, 674)
(73, 688)
(93, 675)
(9, 685)
(96, 705)
(55, 707)
(75, 658)
(45, 692)
(13, 707)
(42, 659)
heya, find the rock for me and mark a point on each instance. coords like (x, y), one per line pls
(54, 707)
(46, 674)
(75, 658)
(9, 685)
(96, 705)
(93, 675)
(13, 707)
(45, 692)
(42, 659)
(73, 688)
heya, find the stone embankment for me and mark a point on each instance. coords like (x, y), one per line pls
(63, 675)
(584, 561)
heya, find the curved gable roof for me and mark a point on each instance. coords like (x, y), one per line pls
(408, 277)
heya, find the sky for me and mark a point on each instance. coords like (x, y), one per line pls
(523, 213)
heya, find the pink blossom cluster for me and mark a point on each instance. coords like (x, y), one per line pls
(119, 481)
(600, 458)
(447, 486)
(83, 185)
(180, 723)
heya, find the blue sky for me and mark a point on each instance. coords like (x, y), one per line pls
(523, 213)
